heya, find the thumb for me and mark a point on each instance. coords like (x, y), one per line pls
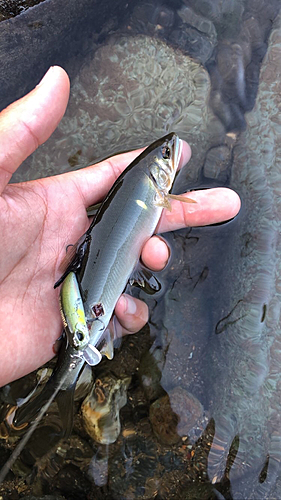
(28, 122)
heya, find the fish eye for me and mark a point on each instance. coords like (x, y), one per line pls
(166, 153)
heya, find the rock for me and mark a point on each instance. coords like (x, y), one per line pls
(100, 409)
(174, 415)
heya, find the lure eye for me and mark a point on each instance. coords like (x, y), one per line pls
(80, 336)
(166, 153)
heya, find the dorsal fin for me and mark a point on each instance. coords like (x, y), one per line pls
(79, 250)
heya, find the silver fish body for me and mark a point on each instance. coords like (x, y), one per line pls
(125, 221)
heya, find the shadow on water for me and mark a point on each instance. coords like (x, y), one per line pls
(201, 416)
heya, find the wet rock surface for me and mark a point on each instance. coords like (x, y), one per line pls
(12, 8)
(230, 38)
(252, 319)
(53, 32)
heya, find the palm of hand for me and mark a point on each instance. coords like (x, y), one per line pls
(29, 304)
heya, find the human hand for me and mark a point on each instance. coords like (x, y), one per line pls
(40, 218)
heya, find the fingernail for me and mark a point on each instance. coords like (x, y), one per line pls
(129, 305)
(46, 77)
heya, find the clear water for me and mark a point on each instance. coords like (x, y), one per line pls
(202, 419)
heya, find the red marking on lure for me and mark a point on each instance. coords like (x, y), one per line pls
(98, 310)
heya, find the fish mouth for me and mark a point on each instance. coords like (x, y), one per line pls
(177, 150)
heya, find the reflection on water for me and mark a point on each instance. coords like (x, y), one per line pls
(202, 418)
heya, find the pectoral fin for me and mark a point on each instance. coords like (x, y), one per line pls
(161, 200)
(180, 197)
(65, 402)
(107, 348)
(145, 279)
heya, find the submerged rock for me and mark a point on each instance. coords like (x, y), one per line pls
(196, 35)
(135, 469)
(52, 32)
(219, 330)
(246, 399)
(131, 91)
(174, 415)
(236, 63)
(100, 410)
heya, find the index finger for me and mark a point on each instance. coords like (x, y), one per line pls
(212, 206)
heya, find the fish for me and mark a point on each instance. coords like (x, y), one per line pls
(108, 255)
(106, 258)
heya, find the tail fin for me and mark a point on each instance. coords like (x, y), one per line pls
(64, 399)
(65, 402)
(30, 410)
(17, 451)
(61, 385)
(62, 382)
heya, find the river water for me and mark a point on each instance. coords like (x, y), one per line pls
(200, 416)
